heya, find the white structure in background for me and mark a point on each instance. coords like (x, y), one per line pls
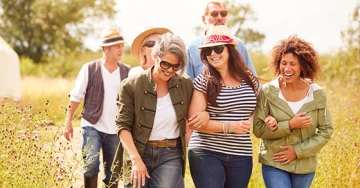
(9, 72)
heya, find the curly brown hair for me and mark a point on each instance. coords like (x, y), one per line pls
(237, 70)
(303, 50)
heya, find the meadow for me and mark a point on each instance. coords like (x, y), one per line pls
(31, 156)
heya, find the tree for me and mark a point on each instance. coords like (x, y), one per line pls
(237, 18)
(41, 28)
(351, 36)
(351, 53)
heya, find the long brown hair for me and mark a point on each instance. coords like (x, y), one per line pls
(237, 70)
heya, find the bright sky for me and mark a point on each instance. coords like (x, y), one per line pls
(317, 21)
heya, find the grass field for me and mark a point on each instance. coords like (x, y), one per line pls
(339, 160)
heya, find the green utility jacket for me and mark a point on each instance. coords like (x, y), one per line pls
(137, 100)
(306, 141)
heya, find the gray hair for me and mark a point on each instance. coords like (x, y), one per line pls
(170, 43)
(216, 2)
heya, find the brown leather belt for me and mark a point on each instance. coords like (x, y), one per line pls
(164, 143)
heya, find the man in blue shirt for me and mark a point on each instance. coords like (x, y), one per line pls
(215, 14)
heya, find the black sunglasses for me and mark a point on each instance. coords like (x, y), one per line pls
(215, 13)
(166, 65)
(217, 49)
(150, 43)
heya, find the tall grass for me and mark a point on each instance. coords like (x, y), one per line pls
(31, 157)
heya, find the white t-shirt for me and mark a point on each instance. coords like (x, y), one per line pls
(165, 122)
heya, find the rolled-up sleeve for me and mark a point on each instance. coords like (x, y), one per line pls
(79, 90)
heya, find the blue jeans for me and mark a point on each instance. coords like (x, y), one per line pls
(276, 178)
(213, 169)
(93, 141)
(164, 166)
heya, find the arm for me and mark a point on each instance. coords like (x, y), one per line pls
(200, 121)
(69, 131)
(76, 95)
(125, 122)
(138, 170)
(260, 129)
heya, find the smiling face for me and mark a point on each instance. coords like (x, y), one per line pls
(218, 61)
(162, 74)
(290, 68)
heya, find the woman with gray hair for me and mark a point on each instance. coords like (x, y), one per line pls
(151, 120)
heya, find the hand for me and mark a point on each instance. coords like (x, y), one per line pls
(69, 132)
(138, 173)
(198, 120)
(300, 121)
(286, 156)
(241, 127)
(271, 123)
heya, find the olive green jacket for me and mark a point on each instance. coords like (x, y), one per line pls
(307, 142)
(137, 100)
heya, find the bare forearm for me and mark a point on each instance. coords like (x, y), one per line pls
(71, 111)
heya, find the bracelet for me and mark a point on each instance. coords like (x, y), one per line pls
(223, 124)
(229, 127)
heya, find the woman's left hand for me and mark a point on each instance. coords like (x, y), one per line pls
(198, 120)
(286, 156)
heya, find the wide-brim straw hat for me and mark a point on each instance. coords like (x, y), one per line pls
(136, 45)
(218, 35)
(111, 37)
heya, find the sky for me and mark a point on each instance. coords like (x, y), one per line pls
(317, 21)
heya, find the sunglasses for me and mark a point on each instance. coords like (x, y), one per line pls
(217, 49)
(166, 65)
(215, 13)
(150, 43)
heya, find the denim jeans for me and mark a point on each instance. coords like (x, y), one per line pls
(213, 169)
(93, 141)
(276, 178)
(164, 166)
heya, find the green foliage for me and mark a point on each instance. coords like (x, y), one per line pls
(239, 15)
(346, 63)
(38, 28)
(67, 66)
(260, 62)
(30, 154)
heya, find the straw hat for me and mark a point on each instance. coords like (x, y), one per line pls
(111, 37)
(218, 35)
(136, 45)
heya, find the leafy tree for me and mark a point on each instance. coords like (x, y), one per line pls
(41, 28)
(237, 18)
(351, 51)
(345, 65)
(351, 36)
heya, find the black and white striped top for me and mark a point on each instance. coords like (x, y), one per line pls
(235, 104)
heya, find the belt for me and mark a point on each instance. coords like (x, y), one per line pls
(164, 143)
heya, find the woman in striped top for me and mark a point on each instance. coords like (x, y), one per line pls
(224, 97)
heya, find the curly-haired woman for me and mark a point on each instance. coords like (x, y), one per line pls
(291, 116)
